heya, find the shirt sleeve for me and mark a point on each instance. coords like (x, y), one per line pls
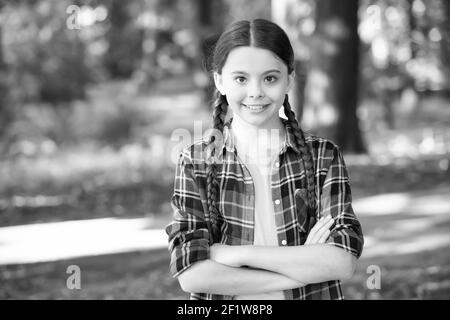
(188, 232)
(336, 199)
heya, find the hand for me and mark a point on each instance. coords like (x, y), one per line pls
(321, 230)
(225, 254)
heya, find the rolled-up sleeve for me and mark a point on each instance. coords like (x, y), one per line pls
(188, 233)
(336, 199)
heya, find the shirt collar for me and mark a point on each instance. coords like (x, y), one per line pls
(229, 144)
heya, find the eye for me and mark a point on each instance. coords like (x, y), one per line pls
(271, 79)
(240, 79)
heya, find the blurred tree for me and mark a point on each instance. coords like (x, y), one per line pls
(446, 31)
(169, 39)
(338, 58)
(398, 62)
(247, 9)
(429, 34)
(124, 41)
(403, 53)
(5, 112)
(445, 44)
(205, 12)
(146, 23)
(209, 27)
(45, 59)
(42, 61)
(295, 18)
(412, 29)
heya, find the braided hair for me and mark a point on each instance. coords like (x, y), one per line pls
(306, 155)
(263, 34)
(212, 185)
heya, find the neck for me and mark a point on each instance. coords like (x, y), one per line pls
(253, 139)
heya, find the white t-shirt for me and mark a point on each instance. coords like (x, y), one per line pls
(259, 158)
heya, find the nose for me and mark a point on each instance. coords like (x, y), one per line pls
(255, 90)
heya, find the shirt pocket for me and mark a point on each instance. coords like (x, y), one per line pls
(301, 207)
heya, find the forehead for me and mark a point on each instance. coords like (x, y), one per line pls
(253, 60)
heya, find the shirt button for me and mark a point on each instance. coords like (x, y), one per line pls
(284, 242)
(277, 201)
(277, 164)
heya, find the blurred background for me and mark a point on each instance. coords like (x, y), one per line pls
(98, 97)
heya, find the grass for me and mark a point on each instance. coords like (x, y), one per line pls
(133, 275)
(420, 275)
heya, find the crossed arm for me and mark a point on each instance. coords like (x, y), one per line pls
(210, 276)
(241, 270)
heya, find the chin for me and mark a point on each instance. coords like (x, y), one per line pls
(255, 120)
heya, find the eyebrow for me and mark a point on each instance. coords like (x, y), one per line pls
(265, 72)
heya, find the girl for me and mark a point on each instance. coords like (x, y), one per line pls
(261, 211)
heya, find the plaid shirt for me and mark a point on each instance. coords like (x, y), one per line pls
(188, 232)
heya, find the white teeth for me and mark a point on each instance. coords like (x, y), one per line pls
(254, 107)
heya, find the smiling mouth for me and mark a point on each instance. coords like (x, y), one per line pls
(255, 107)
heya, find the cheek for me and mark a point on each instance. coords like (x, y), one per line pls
(276, 93)
(236, 95)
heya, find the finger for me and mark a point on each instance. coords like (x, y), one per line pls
(324, 236)
(325, 231)
(313, 232)
(319, 230)
(322, 224)
(328, 223)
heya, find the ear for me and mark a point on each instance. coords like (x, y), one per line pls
(218, 81)
(291, 80)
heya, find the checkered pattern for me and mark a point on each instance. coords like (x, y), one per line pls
(188, 232)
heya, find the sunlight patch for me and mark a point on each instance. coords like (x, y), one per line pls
(62, 240)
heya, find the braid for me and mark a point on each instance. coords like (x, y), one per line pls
(212, 185)
(306, 155)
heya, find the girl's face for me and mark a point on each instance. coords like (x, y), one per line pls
(255, 82)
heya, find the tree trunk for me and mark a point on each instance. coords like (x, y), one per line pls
(205, 12)
(337, 22)
(5, 111)
(125, 43)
